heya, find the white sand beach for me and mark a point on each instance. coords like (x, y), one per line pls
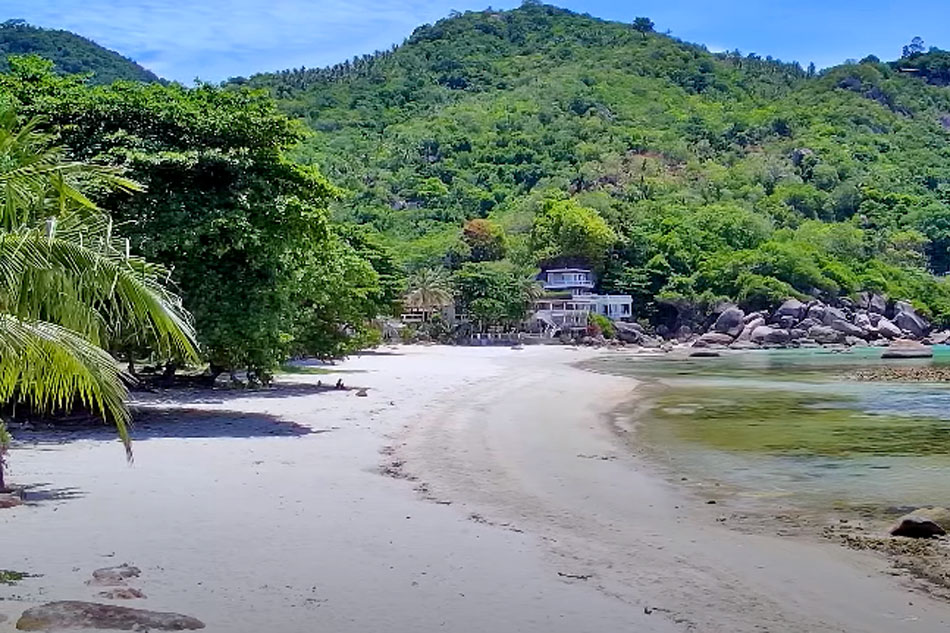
(472, 489)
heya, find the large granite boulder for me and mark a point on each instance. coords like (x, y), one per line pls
(752, 316)
(903, 348)
(791, 308)
(765, 335)
(832, 314)
(629, 332)
(826, 335)
(872, 302)
(807, 324)
(816, 312)
(730, 322)
(73, 614)
(849, 329)
(750, 327)
(887, 329)
(907, 319)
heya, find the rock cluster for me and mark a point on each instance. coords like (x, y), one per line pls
(870, 320)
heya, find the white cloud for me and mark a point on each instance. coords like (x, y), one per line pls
(215, 39)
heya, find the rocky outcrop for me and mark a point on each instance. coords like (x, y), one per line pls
(765, 335)
(907, 319)
(629, 332)
(887, 329)
(72, 614)
(825, 335)
(713, 338)
(730, 322)
(848, 329)
(791, 308)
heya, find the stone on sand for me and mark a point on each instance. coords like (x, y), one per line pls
(73, 614)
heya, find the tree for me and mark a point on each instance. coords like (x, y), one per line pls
(240, 225)
(495, 293)
(564, 228)
(485, 240)
(643, 25)
(812, 71)
(915, 48)
(429, 290)
(68, 285)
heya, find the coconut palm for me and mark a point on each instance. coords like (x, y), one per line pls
(69, 287)
(429, 289)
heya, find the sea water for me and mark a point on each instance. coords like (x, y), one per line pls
(794, 425)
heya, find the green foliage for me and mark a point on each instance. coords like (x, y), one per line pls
(71, 54)
(484, 240)
(601, 325)
(564, 228)
(494, 294)
(69, 289)
(429, 289)
(245, 231)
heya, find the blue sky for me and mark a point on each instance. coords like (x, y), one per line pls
(217, 39)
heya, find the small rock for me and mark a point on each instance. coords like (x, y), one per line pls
(73, 614)
(917, 527)
(113, 576)
(10, 500)
(711, 502)
(124, 593)
(361, 393)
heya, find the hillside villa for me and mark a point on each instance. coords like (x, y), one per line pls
(569, 300)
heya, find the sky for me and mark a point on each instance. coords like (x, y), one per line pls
(216, 39)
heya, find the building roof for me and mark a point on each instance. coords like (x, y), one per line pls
(567, 270)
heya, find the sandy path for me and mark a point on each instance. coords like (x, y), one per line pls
(241, 519)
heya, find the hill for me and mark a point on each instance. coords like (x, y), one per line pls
(71, 53)
(718, 175)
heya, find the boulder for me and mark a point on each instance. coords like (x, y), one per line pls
(907, 319)
(903, 348)
(650, 342)
(807, 324)
(628, 332)
(825, 335)
(769, 335)
(684, 333)
(752, 316)
(854, 341)
(831, 314)
(113, 576)
(887, 329)
(816, 312)
(863, 321)
(792, 308)
(704, 353)
(730, 321)
(786, 322)
(917, 527)
(73, 614)
(713, 338)
(876, 304)
(750, 327)
(796, 334)
(849, 329)
(939, 338)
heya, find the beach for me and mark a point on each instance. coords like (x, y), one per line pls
(470, 489)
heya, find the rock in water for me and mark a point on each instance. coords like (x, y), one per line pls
(72, 614)
(113, 576)
(913, 526)
(903, 348)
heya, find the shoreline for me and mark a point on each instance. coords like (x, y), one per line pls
(273, 510)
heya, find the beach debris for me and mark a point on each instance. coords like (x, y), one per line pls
(917, 527)
(74, 614)
(114, 576)
(361, 393)
(575, 576)
(123, 593)
(711, 502)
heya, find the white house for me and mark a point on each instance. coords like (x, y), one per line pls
(569, 300)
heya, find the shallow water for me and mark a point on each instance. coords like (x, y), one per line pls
(789, 425)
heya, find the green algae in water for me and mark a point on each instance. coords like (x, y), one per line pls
(783, 422)
(8, 577)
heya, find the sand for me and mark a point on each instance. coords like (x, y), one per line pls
(472, 489)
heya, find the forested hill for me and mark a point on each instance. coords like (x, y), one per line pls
(71, 53)
(718, 175)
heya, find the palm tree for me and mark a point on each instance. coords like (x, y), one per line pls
(429, 289)
(68, 287)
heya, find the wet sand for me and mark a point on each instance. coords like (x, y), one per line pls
(471, 489)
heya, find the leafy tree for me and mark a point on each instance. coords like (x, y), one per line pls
(916, 47)
(484, 239)
(245, 230)
(69, 288)
(564, 228)
(643, 26)
(495, 293)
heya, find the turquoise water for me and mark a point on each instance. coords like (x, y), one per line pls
(790, 425)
